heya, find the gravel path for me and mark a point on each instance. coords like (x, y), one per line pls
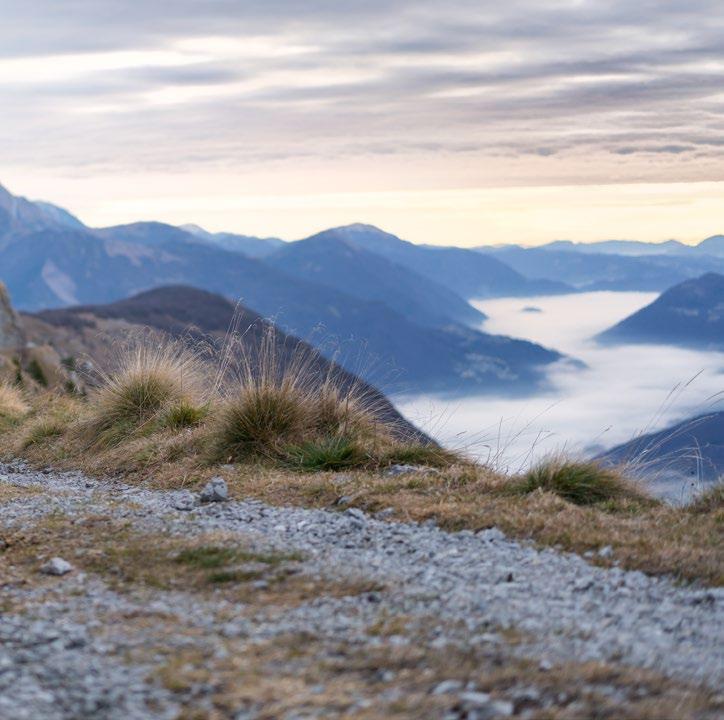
(60, 657)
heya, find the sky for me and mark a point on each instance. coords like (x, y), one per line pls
(461, 122)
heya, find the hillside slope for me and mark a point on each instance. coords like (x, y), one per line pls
(680, 458)
(689, 314)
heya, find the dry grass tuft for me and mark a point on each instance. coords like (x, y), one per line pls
(271, 409)
(582, 482)
(285, 423)
(152, 380)
(710, 500)
(12, 403)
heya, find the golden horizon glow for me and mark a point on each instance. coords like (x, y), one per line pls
(466, 217)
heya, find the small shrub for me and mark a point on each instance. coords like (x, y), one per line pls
(12, 404)
(579, 482)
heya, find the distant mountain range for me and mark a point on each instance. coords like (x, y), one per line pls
(395, 325)
(246, 244)
(461, 270)
(332, 260)
(678, 459)
(690, 314)
(621, 265)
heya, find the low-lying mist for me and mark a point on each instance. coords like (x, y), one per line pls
(624, 391)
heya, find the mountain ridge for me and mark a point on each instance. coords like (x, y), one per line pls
(689, 314)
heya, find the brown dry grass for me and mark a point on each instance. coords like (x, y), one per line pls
(644, 534)
(291, 413)
(12, 402)
(151, 382)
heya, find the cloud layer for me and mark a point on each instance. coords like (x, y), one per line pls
(460, 93)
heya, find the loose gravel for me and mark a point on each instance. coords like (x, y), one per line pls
(59, 660)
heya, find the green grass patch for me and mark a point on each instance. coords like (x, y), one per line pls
(328, 454)
(579, 482)
(183, 415)
(206, 557)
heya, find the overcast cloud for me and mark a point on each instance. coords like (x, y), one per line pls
(603, 90)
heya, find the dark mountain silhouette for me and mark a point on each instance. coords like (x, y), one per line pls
(464, 272)
(689, 314)
(328, 259)
(677, 459)
(182, 311)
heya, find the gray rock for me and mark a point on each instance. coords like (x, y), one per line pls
(606, 552)
(56, 566)
(215, 491)
(474, 699)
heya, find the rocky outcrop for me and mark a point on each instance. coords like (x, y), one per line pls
(11, 336)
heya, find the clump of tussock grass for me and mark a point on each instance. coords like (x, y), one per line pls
(156, 382)
(12, 402)
(582, 482)
(281, 405)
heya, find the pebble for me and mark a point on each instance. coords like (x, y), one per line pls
(56, 566)
(447, 686)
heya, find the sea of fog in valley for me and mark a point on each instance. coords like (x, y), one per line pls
(624, 391)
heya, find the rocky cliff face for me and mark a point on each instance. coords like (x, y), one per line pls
(11, 337)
